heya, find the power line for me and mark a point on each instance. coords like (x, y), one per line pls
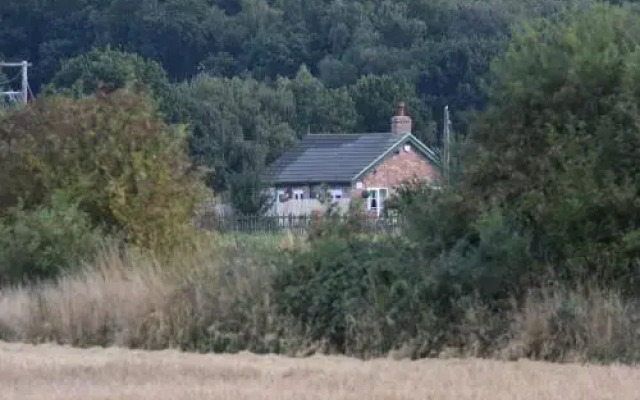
(11, 80)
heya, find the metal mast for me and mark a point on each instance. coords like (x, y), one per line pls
(447, 142)
(23, 94)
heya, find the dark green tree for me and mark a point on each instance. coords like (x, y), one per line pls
(108, 70)
(318, 109)
(559, 142)
(376, 99)
(238, 124)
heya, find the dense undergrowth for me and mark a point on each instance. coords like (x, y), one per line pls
(233, 295)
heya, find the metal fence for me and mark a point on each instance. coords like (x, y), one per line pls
(298, 224)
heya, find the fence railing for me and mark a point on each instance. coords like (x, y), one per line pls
(296, 224)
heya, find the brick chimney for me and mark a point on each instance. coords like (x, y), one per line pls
(401, 123)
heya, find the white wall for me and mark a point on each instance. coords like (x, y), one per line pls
(304, 207)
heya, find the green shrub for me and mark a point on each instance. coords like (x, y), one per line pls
(435, 219)
(347, 285)
(366, 294)
(493, 263)
(113, 154)
(43, 242)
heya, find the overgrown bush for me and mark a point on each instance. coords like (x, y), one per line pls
(112, 154)
(43, 242)
(221, 298)
(435, 218)
(363, 294)
(342, 274)
(493, 263)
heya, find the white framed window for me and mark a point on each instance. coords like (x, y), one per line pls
(376, 199)
(336, 194)
(298, 194)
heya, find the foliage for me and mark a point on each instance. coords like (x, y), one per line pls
(326, 67)
(492, 265)
(559, 142)
(108, 70)
(442, 47)
(317, 108)
(112, 154)
(43, 242)
(220, 299)
(376, 99)
(435, 218)
(333, 280)
(543, 190)
(249, 195)
(406, 287)
(238, 124)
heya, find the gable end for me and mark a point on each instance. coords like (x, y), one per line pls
(421, 148)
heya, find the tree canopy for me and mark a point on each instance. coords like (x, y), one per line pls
(558, 144)
(251, 76)
(441, 47)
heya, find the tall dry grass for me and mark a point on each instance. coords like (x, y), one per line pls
(219, 298)
(107, 303)
(214, 298)
(576, 325)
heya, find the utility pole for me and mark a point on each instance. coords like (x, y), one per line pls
(447, 142)
(23, 94)
(25, 82)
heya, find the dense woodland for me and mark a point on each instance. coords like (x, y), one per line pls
(146, 108)
(253, 75)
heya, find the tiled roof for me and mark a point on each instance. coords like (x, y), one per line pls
(332, 158)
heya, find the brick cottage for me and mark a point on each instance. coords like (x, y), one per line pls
(342, 167)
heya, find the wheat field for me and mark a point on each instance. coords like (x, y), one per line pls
(52, 372)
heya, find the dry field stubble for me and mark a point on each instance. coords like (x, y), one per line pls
(50, 372)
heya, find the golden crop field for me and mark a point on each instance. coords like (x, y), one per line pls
(51, 372)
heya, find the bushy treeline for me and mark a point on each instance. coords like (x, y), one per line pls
(339, 293)
(344, 64)
(444, 44)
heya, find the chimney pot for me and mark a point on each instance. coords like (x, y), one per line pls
(402, 109)
(401, 123)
